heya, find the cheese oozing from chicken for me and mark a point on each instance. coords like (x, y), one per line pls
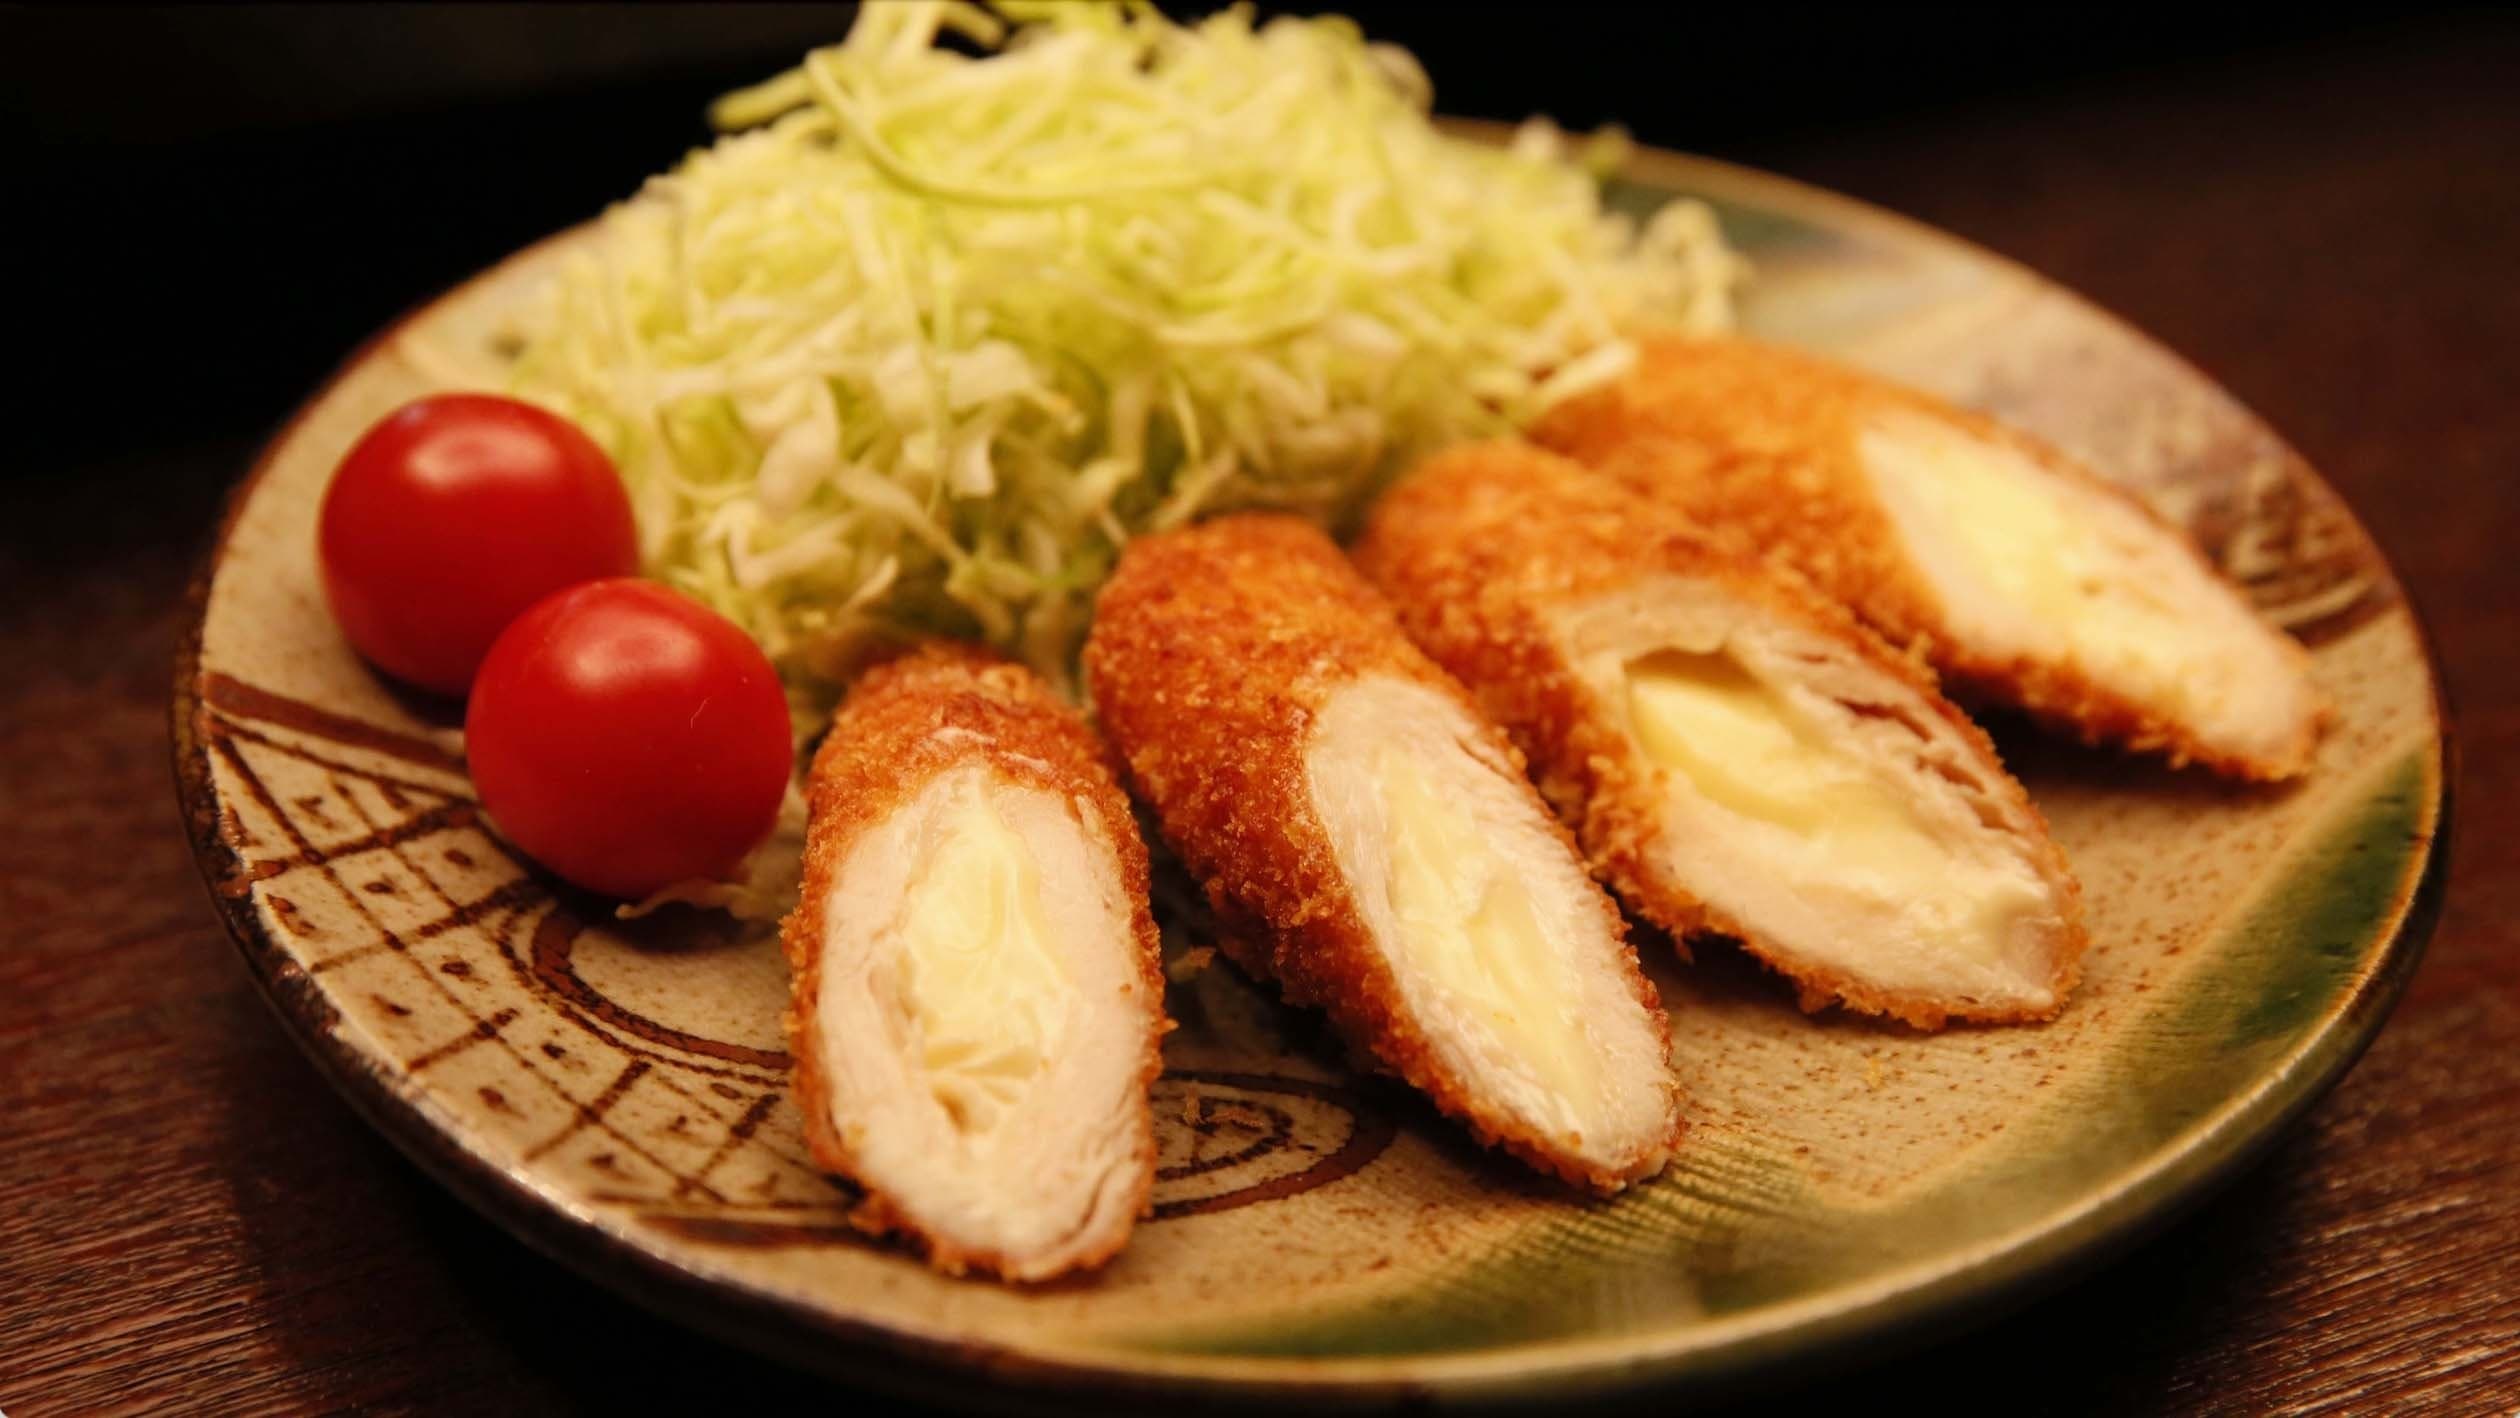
(1472, 925)
(983, 1020)
(981, 982)
(1503, 953)
(1834, 824)
(2028, 562)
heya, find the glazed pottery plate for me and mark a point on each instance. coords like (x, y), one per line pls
(616, 1093)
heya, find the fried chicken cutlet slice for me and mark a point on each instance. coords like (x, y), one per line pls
(1736, 753)
(977, 998)
(2027, 580)
(1371, 844)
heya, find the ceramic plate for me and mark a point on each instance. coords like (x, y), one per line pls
(617, 1095)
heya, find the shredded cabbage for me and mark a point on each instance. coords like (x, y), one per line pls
(918, 345)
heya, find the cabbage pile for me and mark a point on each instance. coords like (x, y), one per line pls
(965, 301)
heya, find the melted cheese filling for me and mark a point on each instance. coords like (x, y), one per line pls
(1473, 928)
(2054, 561)
(980, 982)
(1709, 723)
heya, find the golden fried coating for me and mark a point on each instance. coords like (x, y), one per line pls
(938, 710)
(1537, 582)
(1217, 656)
(1767, 445)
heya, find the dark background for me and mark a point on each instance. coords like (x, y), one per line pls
(224, 201)
(204, 210)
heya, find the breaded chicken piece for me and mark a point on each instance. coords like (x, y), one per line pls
(977, 998)
(1370, 843)
(1736, 753)
(2026, 579)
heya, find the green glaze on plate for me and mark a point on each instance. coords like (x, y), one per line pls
(616, 1094)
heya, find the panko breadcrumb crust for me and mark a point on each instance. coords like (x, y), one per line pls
(1212, 650)
(904, 722)
(1479, 545)
(1761, 442)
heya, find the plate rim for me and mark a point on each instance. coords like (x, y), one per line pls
(2000, 1273)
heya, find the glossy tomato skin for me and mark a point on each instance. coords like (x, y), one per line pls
(627, 737)
(450, 517)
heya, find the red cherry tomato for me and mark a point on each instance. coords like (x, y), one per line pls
(452, 516)
(626, 737)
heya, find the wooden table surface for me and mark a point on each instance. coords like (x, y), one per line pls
(191, 1221)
